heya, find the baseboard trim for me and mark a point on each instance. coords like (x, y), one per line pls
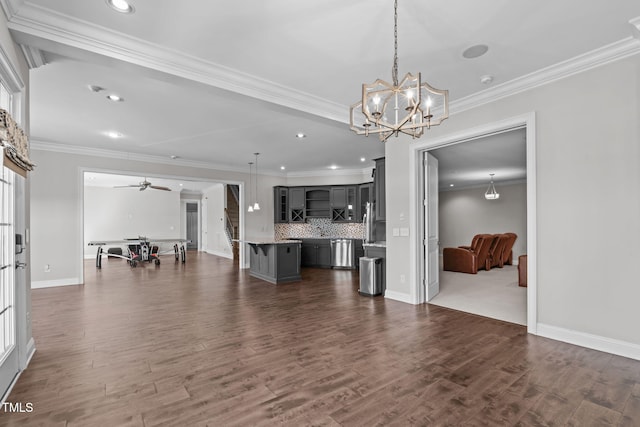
(220, 254)
(53, 283)
(399, 296)
(31, 350)
(595, 342)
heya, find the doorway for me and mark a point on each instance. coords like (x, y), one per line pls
(9, 364)
(423, 271)
(192, 225)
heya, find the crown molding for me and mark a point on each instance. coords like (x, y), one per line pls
(331, 172)
(41, 145)
(596, 58)
(10, 7)
(34, 56)
(48, 24)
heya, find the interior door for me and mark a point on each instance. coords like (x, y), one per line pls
(432, 249)
(9, 364)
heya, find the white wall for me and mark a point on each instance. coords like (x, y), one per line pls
(124, 213)
(217, 243)
(588, 201)
(465, 213)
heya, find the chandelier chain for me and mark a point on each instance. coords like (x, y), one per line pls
(394, 70)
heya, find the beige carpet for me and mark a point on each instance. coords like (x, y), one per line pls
(493, 293)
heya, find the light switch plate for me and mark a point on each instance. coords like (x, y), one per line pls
(396, 232)
(404, 231)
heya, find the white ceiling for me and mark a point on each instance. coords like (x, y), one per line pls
(213, 82)
(470, 164)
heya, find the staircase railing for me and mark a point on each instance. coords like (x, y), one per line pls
(230, 230)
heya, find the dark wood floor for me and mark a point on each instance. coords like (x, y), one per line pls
(202, 344)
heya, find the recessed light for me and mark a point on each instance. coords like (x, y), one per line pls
(115, 98)
(334, 167)
(121, 6)
(450, 185)
(282, 168)
(475, 51)
(180, 185)
(114, 134)
(300, 135)
(175, 157)
(362, 159)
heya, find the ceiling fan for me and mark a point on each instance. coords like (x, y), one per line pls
(144, 185)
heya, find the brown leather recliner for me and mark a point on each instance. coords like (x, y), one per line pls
(507, 254)
(495, 258)
(468, 260)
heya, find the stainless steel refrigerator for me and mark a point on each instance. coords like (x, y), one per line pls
(369, 221)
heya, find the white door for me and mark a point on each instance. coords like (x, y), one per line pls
(432, 252)
(8, 350)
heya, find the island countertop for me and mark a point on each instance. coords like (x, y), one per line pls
(380, 244)
(266, 241)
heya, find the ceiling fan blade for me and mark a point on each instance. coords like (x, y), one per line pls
(157, 187)
(143, 187)
(126, 186)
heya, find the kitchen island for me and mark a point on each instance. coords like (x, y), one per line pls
(275, 261)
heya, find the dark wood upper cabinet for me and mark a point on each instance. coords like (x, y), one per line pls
(280, 204)
(379, 190)
(296, 204)
(339, 203)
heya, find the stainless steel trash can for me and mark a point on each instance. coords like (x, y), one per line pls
(370, 276)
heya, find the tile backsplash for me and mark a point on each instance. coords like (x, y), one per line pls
(318, 227)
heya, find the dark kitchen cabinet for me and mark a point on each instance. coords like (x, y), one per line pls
(379, 190)
(343, 203)
(339, 203)
(316, 253)
(296, 204)
(280, 204)
(317, 202)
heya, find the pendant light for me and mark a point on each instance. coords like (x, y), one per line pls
(256, 205)
(491, 193)
(250, 184)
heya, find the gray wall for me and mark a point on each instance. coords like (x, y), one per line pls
(588, 200)
(465, 213)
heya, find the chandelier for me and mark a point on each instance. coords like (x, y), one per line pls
(491, 193)
(408, 106)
